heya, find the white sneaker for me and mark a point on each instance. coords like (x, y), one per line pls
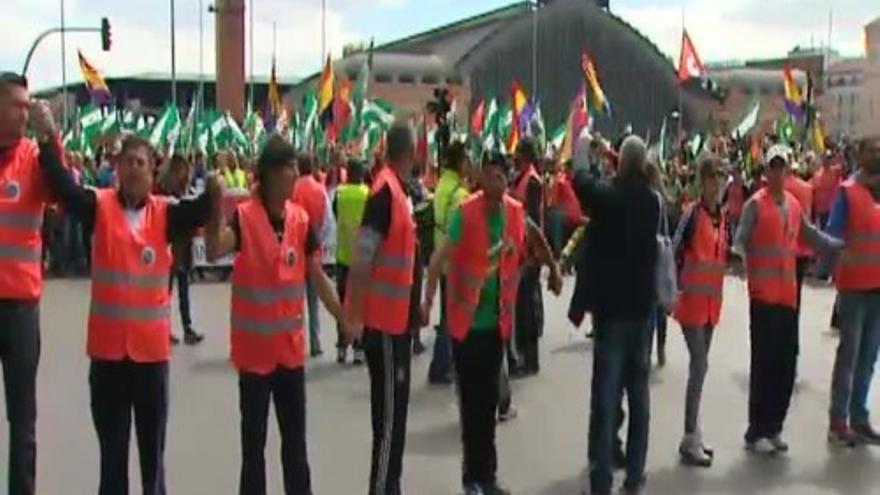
(779, 444)
(761, 446)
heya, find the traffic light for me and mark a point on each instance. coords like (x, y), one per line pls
(106, 39)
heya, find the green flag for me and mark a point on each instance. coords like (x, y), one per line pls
(490, 126)
(90, 122)
(111, 124)
(749, 121)
(166, 129)
(309, 118)
(379, 112)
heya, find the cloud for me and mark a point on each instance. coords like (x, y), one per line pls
(743, 29)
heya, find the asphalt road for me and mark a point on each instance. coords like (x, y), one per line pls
(541, 453)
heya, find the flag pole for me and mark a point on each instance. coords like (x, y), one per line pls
(680, 104)
(173, 59)
(63, 68)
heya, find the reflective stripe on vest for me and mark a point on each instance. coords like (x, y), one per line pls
(112, 277)
(19, 253)
(130, 313)
(21, 220)
(268, 295)
(268, 327)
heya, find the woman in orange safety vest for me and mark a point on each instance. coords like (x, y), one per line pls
(701, 255)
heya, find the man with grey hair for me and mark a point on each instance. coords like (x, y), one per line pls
(378, 312)
(619, 260)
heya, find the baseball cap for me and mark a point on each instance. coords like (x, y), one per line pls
(778, 152)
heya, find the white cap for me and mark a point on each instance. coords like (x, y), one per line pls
(778, 151)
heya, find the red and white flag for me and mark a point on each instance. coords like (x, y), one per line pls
(689, 64)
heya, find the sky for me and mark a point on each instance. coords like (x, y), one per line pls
(721, 30)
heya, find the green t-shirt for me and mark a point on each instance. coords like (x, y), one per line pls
(486, 315)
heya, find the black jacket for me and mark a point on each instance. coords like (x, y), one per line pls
(617, 263)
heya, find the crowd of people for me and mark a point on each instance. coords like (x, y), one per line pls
(372, 241)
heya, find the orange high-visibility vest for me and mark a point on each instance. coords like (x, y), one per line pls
(825, 182)
(735, 201)
(858, 269)
(803, 191)
(311, 194)
(22, 202)
(130, 313)
(469, 266)
(268, 284)
(521, 187)
(771, 252)
(386, 304)
(702, 276)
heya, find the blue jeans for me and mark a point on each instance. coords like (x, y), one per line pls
(856, 354)
(441, 359)
(314, 318)
(623, 360)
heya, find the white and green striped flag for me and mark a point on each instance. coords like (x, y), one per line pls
(166, 129)
(309, 118)
(238, 136)
(90, 121)
(490, 126)
(749, 121)
(557, 137)
(111, 123)
(379, 112)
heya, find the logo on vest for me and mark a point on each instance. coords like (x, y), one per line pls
(290, 257)
(11, 190)
(148, 256)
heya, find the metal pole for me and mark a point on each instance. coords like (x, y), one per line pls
(323, 31)
(680, 105)
(200, 102)
(45, 34)
(251, 42)
(63, 69)
(535, 51)
(173, 59)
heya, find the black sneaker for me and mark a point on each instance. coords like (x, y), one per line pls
(494, 489)
(865, 433)
(440, 379)
(191, 337)
(418, 348)
(633, 487)
(174, 340)
(316, 351)
(341, 355)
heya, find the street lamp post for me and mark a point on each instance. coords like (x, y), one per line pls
(63, 69)
(173, 59)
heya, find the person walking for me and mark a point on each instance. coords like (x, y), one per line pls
(129, 325)
(451, 190)
(349, 204)
(23, 200)
(529, 323)
(277, 250)
(624, 220)
(701, 257)
(855, 217)
(311, 194)
(378, 306)
(176, 184)
(480, 296)
(767, 240)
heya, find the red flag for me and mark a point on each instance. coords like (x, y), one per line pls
(689, 64)
(477, 118)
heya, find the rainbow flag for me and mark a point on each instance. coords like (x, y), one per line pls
(325, 93)
(578, 118)
(793, 98)
(598, 95)
(518, 102)
(94, 81)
